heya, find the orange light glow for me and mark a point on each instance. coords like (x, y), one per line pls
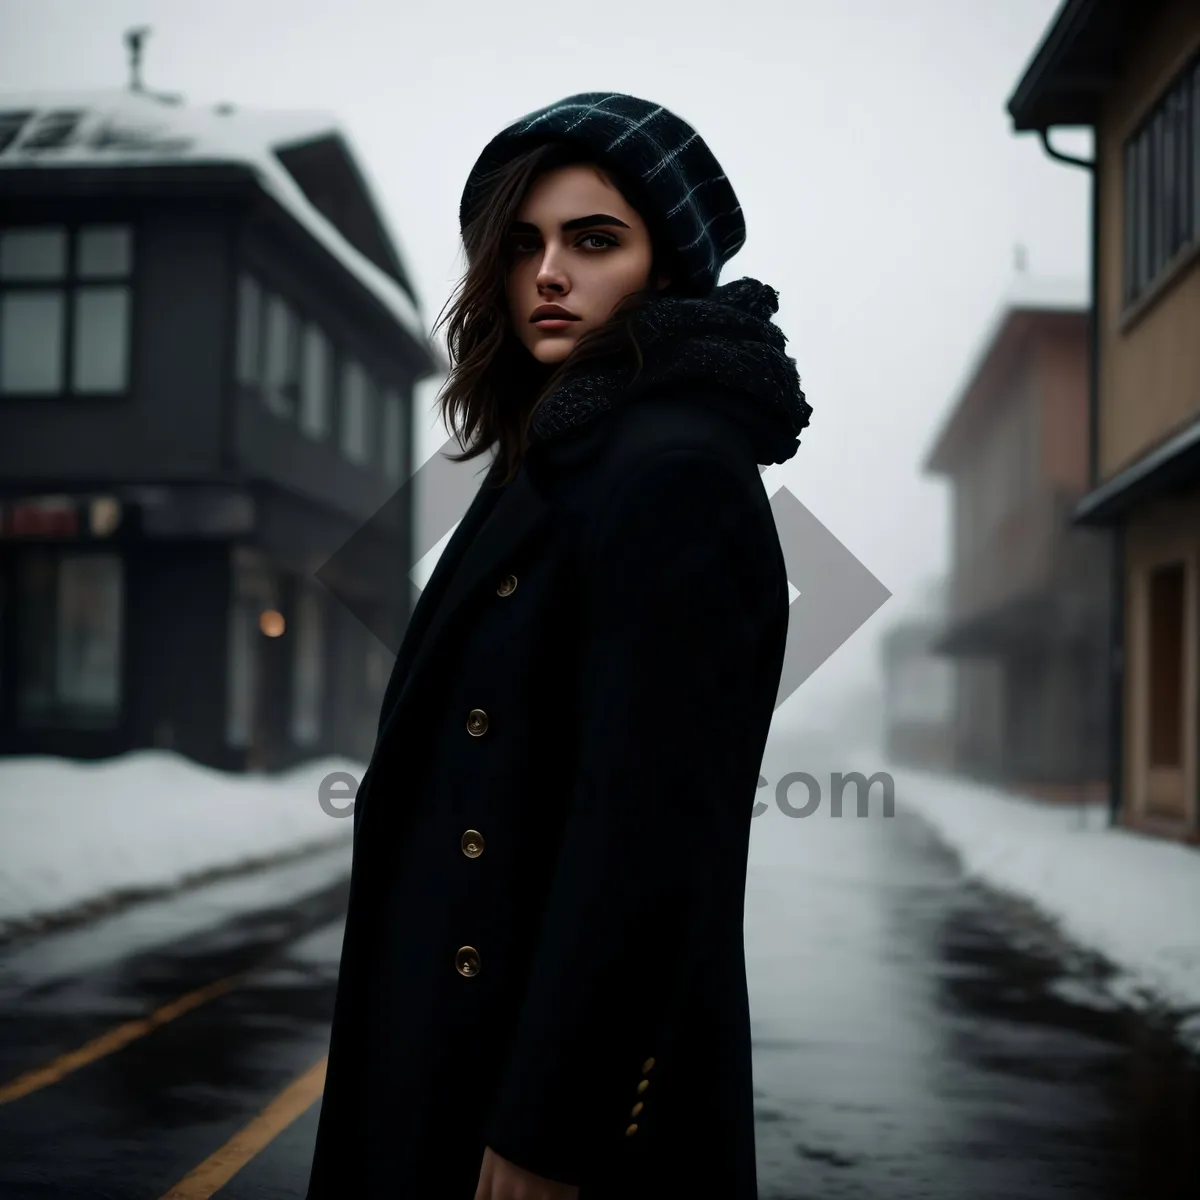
(271, 622)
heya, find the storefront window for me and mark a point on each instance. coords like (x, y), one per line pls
(253, 593)
(71, 614)
(242, 673)
(308, 648)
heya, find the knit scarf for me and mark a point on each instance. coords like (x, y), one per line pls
(722, 349)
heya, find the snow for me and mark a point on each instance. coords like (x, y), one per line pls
(75, 832)
(1130, 897)
(105, 941)
(1060, 293)
(128, 128)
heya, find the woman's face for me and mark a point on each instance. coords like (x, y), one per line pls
(576, 245)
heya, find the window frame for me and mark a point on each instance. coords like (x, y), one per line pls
(310, 325)
(283, 402)
(1160, 232)
(247, 282)
(342, 355)
(69, 285)
(388, 391)
(57, 715)
(309, 622)
(371, 389)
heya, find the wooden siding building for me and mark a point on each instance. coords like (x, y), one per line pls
(1131, 72)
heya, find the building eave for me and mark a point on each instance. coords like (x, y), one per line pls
(112, 131)
(1028, 105)
(1171, 466)
(1003, 341)
(1077, 63)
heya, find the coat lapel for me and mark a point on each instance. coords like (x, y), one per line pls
(427, 602)
(490, 533)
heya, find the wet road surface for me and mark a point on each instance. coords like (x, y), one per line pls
(914, 1037)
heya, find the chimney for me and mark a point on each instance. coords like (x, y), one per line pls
(133, 40)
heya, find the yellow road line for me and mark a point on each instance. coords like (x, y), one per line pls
(113, 1040)
(222, 1165)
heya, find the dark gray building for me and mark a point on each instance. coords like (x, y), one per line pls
(208, 347)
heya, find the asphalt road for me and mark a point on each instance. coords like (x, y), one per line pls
(914, 1037)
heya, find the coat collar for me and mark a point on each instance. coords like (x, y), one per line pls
(495, 526)
(720, 350)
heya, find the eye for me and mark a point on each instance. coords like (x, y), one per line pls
(604, 239)
(522, 243)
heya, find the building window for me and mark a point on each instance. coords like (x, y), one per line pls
(308, 649)
(249, 331)
(70, 610)
(282, 359)
(1162, 185)
(395, 436)
(242, 671)
(65, 309)
(316, 383)
(355, 412)
(1166, 630)
(252, 592)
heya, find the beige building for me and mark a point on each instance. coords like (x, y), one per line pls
(1132, 73)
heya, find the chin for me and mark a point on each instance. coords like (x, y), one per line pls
(552, 350)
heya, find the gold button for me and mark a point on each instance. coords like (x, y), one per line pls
(647, 1065)
(631, 1129)
(477, 722)
(643, 1086)
(637, 1108)
(466, 961)
(508, 585)
(472, 843)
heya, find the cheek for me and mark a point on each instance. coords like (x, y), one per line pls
(517, 289)
(623, 276)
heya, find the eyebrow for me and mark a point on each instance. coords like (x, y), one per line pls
(576, 223)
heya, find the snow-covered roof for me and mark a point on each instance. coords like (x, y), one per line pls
(114, 128)
(1062, 293)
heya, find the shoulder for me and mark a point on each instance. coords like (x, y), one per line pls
(671, 424)
(672, 436)
(665, 472)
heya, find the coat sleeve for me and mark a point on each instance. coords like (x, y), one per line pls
(680, 594)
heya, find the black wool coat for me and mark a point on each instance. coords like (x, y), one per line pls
(543, 949)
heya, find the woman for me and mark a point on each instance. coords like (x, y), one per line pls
(542, 989)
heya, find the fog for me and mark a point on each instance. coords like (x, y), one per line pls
(885, 194)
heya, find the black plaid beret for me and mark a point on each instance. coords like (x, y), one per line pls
(692, 205)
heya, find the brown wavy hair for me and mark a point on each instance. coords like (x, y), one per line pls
(495, 384)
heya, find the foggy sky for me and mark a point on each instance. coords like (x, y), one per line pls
(867, 142)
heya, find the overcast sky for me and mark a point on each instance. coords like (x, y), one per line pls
(867, 141)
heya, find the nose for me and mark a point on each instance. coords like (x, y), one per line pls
(551, 277)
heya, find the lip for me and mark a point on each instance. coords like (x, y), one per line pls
(551, 316)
